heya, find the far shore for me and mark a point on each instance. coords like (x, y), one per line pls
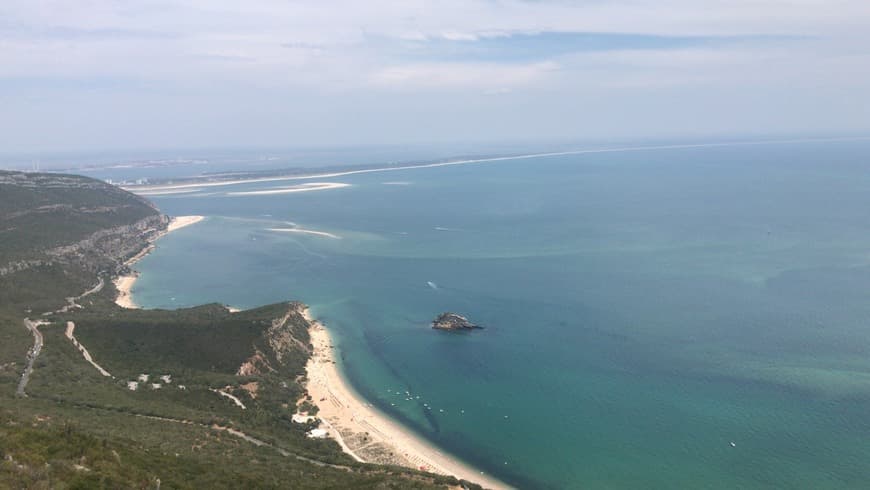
(124, 284)
(199, 184)
(364, 432)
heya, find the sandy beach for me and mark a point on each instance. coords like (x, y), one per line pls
(367, 434)
(179, 222)
(124, 284)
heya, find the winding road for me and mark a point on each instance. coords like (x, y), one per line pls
(38, 340)
(71, 301)
(31, 355)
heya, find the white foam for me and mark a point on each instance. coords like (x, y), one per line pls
(308, 232)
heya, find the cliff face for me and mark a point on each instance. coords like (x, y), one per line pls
(281, 347)
(107, 250)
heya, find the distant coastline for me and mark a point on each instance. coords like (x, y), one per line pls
(181, 186)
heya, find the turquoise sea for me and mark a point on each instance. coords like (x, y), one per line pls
(679, 318)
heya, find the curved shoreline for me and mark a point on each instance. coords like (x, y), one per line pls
(349, 417)
(124, 284)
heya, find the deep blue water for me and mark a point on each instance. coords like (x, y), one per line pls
(643, 310)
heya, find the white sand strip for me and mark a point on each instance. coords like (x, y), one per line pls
(313, 186)
(180, 222)
(344, 409)
(168, 192)
(124, 285)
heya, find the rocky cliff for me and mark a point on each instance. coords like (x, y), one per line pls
(284, 340)
(48, 219)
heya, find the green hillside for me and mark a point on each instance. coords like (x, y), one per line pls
(41, 211)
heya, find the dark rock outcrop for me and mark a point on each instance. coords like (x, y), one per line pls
(453, 322)
(71, 221)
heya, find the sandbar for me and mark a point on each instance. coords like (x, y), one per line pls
(179, 222)
(308, 187)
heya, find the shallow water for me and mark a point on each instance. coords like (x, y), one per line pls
(643, 310)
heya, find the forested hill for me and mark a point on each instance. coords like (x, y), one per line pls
(51, 217)
(96, 396)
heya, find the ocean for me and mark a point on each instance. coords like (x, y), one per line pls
(661, 318)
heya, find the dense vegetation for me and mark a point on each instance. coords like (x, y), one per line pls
(42, 211)
(76, 428)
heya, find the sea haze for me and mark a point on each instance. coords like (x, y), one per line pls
(683, 318)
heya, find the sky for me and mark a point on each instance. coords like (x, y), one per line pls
(91, 75)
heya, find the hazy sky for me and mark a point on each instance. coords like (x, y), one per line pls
(108, 74)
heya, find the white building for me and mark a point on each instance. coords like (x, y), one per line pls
(317, 433)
